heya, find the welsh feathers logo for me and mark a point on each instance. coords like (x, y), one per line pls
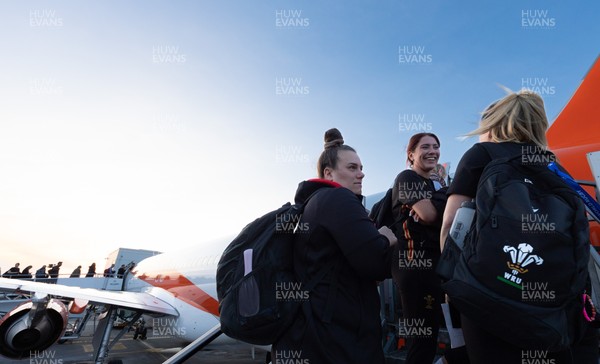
(520, 257)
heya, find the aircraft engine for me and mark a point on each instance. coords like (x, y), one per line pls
(32, 326)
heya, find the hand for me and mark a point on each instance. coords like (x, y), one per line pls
(388, 233)
(414, 215)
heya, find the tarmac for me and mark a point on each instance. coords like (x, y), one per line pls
(154, 350)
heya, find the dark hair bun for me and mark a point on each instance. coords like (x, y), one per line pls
(333, 138)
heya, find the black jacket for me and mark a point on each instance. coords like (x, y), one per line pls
(343, 240)
(409, 188)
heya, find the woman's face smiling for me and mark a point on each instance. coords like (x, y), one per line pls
(425, 156)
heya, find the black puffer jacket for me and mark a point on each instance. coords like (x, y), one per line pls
(342, 240)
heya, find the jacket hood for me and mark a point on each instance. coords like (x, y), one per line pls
(307, 188)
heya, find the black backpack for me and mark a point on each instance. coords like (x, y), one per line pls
(381, 212)
(523, 271)
(259, 294)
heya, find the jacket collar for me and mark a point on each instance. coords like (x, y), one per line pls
(308, 187)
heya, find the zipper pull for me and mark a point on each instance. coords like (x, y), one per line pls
(494, 222)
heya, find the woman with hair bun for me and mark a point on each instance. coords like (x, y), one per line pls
(342, 250)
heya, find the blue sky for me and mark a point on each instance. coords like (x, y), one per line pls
(155, 124)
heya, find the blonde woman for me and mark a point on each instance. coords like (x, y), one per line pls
(514, 124)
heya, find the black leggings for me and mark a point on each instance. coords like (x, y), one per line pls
(421, 296)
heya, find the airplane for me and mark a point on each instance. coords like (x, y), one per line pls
(181, 285)
(575, 133)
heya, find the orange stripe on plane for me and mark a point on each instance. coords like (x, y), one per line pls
(576, 129)
(184, 289)
(576, 132)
